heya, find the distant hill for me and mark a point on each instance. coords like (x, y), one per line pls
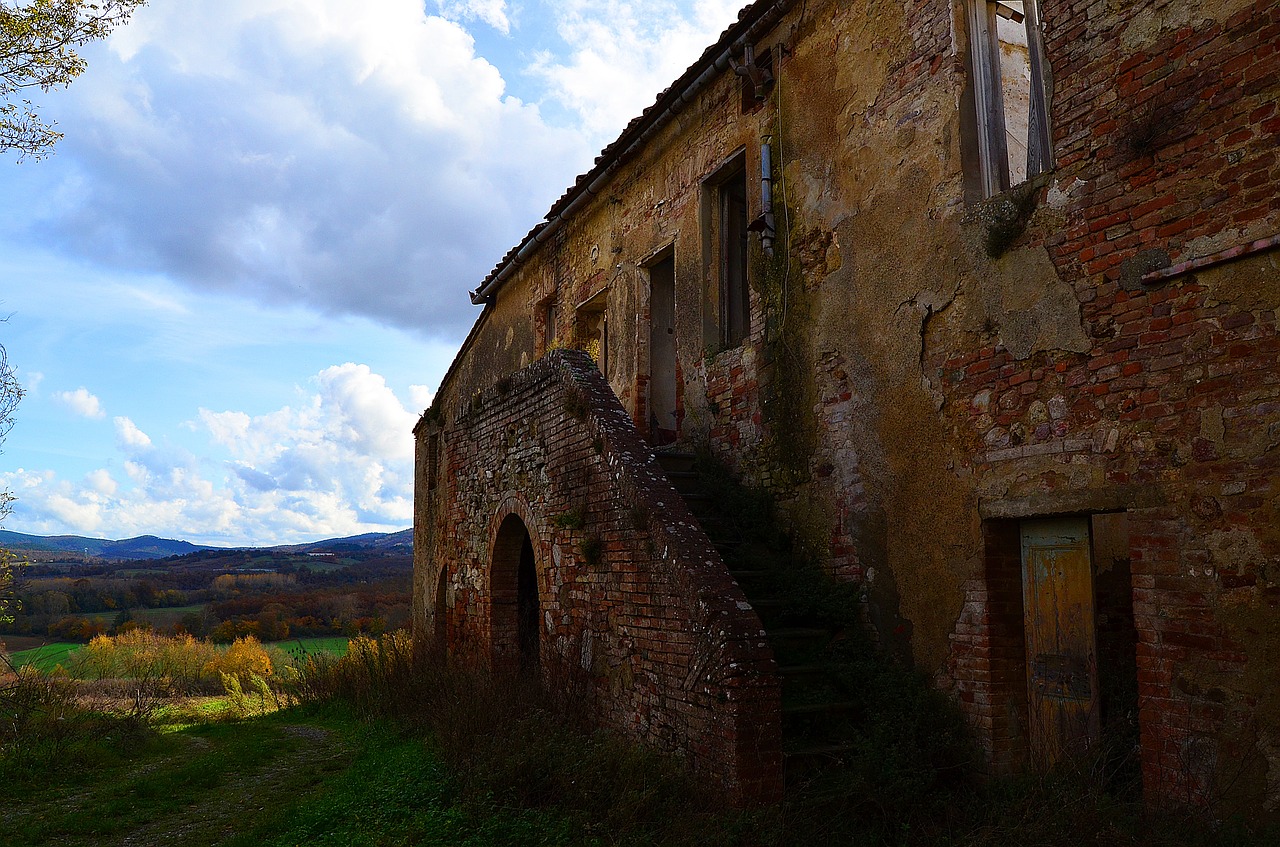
(401, 541)
(142, 547)
(151, 547)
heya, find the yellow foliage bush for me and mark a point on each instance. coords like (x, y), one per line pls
(184, 663)
(245, 658)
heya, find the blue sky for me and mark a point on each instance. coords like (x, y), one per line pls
(233, 288)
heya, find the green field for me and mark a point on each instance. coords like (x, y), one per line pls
(50, 655)
(167, 616)
(335, 645)
(46, 657)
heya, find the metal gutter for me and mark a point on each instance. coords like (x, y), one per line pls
(753, 21)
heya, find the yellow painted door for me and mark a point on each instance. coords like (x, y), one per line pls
(1062, 667)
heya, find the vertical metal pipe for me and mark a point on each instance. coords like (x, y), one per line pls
(768, 233)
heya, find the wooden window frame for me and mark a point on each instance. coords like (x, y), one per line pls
(993, 157)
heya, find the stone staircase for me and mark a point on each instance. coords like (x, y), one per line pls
(816, 706)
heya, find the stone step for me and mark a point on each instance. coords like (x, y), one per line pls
(675, 460)
(686, 483)
(815, 703)
(831, 707)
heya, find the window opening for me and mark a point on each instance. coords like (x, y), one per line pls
(591, 330)
(735, 302)
(662, 352)
(1009, 89)
(433, 460)
(550, 329)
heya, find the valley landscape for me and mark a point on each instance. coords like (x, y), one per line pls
(72, 589)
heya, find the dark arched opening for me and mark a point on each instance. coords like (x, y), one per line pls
(513, 583)
(527, 608)
(440, 625)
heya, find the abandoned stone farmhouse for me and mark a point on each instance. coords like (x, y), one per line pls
(983, 293)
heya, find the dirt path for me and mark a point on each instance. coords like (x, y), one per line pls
(224, 811)
(197, 789)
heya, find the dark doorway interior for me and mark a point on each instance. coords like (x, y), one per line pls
(662, 352)
(440, 629)
(527, 614)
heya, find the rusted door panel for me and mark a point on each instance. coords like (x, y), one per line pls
(1062, 674)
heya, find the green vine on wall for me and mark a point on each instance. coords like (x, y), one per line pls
(787, 383)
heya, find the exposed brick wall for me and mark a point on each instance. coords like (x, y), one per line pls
(1168, 148)
(1173, 141)
(638, 611)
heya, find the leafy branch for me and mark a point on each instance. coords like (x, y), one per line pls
(38, 41)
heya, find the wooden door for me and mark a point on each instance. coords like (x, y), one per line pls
(1062, 667)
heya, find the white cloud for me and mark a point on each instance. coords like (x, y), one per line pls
(129, 436)
(491, 12)
(357, 158)
(420, 397)
(339, 462)
(622, 53)
(101, 482)
(82, 403)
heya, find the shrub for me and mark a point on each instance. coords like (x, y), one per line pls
(42, 722)
(243, 660)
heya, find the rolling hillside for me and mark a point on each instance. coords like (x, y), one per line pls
(150, 547)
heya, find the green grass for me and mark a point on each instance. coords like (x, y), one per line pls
(295, 777)
(396, 791)
(164, 616)
(336, 646)
(46, 657)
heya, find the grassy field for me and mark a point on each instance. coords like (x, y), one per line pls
(318, 778)
(336, 646)
(47, 656)
(44, 657)
(156, 617)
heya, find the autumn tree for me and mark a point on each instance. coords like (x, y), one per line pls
(38, 42)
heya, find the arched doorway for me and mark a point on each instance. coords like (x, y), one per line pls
(440, 625)
(513, 583)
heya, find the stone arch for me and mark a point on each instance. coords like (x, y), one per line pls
(515, 605)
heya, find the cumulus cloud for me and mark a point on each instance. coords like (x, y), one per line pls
(338, 462)
(622, 53)
(358, 158)
(491, 12)
(101, 481)
(420, 397)
(129, 436)
(82, 403)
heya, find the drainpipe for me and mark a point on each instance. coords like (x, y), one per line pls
(765, 224)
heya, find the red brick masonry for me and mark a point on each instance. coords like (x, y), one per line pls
(638, 612)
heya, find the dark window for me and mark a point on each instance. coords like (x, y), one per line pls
(433, 460)
(550, 329)
(735, 301)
